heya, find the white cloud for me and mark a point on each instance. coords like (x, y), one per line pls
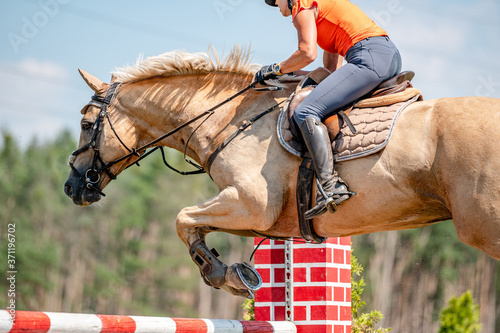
(43, 69)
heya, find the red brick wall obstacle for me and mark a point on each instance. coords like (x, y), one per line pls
(308, 284)
(306, 288)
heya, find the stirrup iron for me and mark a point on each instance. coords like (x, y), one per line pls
(329, 202)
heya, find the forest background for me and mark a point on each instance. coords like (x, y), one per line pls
(123, 256)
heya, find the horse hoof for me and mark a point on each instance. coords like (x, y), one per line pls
(239, 292)
(243, 277)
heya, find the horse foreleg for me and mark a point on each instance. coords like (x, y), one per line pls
(231, 209)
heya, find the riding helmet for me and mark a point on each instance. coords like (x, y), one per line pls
(273, 3)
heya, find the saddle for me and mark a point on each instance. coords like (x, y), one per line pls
(377, 110)
(358, 130)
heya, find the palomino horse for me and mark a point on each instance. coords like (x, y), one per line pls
(439, 164)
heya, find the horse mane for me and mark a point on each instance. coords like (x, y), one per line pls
(181, 62)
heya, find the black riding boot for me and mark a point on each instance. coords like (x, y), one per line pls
(334, 189)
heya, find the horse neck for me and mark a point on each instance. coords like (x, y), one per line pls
(159, 105)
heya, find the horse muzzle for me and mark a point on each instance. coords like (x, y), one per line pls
(82, 193)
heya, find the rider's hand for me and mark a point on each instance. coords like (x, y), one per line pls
(267, 73)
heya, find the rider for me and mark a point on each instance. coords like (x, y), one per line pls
(341, 29)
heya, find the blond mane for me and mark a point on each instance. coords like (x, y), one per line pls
(184, 63)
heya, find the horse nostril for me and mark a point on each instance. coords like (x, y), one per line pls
(68, 190)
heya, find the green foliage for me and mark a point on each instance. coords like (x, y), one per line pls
(461, 315)
(248, 309)
(357, 286)
(364, 322)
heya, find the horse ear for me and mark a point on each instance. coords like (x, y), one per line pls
(94, 83)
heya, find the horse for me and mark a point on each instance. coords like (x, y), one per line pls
(438, 165)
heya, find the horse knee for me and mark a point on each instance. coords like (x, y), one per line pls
(185, 228)
(182, 219)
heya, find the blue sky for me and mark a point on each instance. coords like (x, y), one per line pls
(453, 46)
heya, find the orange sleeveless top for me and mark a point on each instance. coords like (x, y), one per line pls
(340, 24)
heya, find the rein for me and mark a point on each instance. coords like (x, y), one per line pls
(93, 175)
(240, 129)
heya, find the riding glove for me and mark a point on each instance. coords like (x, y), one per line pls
(267, 73)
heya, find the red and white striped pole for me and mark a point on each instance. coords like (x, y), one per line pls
(43, 322)
(308, 284)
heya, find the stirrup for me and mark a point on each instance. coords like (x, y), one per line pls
(330, 203)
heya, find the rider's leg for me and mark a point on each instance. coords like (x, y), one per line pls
(335, 189)
(370, 62)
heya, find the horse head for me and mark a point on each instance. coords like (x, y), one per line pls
(103, 150)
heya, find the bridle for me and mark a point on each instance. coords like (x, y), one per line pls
(92, 176)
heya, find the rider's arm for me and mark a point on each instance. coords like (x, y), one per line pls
(332, 61)
(305, 23)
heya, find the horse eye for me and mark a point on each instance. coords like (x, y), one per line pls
(86, 125)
